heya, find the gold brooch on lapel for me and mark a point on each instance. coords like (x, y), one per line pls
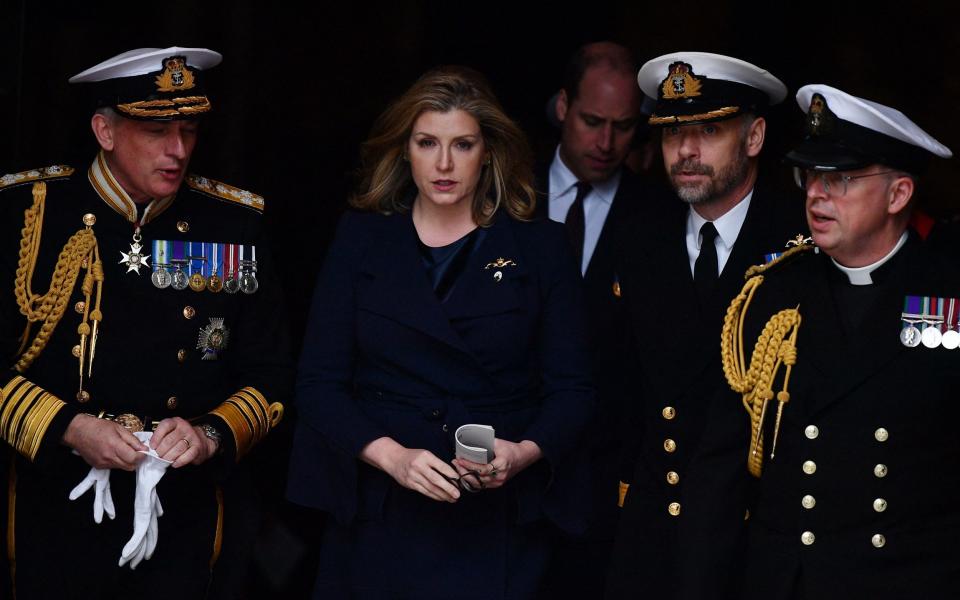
(499, 264)
(800, 240)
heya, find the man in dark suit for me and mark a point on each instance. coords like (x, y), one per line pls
(684, 487)
(588, 187)
(858, 498)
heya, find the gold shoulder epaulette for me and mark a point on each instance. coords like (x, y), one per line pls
(221, 190)
(789, 253)
(53, 172)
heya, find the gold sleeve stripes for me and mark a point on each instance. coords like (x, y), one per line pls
(622, 493)
(249, 417)
(26, 411)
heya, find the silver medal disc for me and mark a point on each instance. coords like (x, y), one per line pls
(910, 337)
(951, 339)
(161, 278)
(180, 281)
(231, 285)
(931, 336)
(248, 283)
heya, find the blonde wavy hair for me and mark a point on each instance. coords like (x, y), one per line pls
(507, 181)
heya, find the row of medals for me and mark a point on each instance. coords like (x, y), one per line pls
(911, 337)
(246, 282)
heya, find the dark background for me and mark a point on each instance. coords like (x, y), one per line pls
(299, 88)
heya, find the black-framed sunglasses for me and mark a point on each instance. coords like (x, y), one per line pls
(468, 482)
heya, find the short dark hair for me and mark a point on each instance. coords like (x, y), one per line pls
(609, 54)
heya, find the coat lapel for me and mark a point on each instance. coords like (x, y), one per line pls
(842, 358)
(479, 291)
(399, 288)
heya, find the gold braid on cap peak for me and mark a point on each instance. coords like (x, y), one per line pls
(80, 252)
(775, 347)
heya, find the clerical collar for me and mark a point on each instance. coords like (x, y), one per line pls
(862, 275)
(109, 189)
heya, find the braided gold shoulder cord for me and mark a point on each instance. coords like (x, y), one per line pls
(776, 346)
(80, 251)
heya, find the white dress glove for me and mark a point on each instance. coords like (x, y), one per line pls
(99, 480)
(146, 507)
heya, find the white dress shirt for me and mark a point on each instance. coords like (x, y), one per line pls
(728, 226)
(596, 204)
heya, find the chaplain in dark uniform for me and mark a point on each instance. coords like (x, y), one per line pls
(685, 490)
(847, 363)
(141, 299)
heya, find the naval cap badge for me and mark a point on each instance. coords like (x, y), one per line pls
(175, 76)
(680, 82)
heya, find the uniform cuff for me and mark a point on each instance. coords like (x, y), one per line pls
(249, 417)
(29, 414)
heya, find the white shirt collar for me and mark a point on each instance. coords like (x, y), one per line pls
(861, 275)
(562, 179)
(728, 225)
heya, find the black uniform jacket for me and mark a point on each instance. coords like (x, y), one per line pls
(147, 363)
(383, 357)
(860, 499)
(606, 337)
(685, 441)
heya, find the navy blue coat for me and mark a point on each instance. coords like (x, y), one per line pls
(383, 357)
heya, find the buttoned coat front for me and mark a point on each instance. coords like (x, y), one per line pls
(682, 530)
(384, 357)
(860, 498)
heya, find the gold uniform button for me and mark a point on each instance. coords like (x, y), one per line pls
(183, 226)
(673, 478)
(879, 505)
(80, 307)
(669, 412)
(809, 467)
(674, 509)
(881, 434)
(878, 541)
(808, 538)
(808, 502)
(880, 470)
(76, 351)
(181, 355)
(746, 515)
(83, 396)
(172, 402)
(89, 219)
(669, 445)
(189, 312)
(812, 431)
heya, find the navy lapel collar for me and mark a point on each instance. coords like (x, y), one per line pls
(480, 291)
(400, 289)
(842, 358)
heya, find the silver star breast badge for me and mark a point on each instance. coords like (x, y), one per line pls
(134, 260)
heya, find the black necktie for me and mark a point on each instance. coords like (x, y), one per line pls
(575, 220)
(705, 268)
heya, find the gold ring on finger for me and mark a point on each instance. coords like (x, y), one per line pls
(187, 442)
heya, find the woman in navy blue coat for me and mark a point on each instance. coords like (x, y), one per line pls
(442, 303)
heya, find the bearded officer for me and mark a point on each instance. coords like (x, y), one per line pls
(854, 415)
(684, 489)
(143, 300)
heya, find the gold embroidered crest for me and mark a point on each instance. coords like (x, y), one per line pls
(175, 76)
(681, 82)
(819, 118)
